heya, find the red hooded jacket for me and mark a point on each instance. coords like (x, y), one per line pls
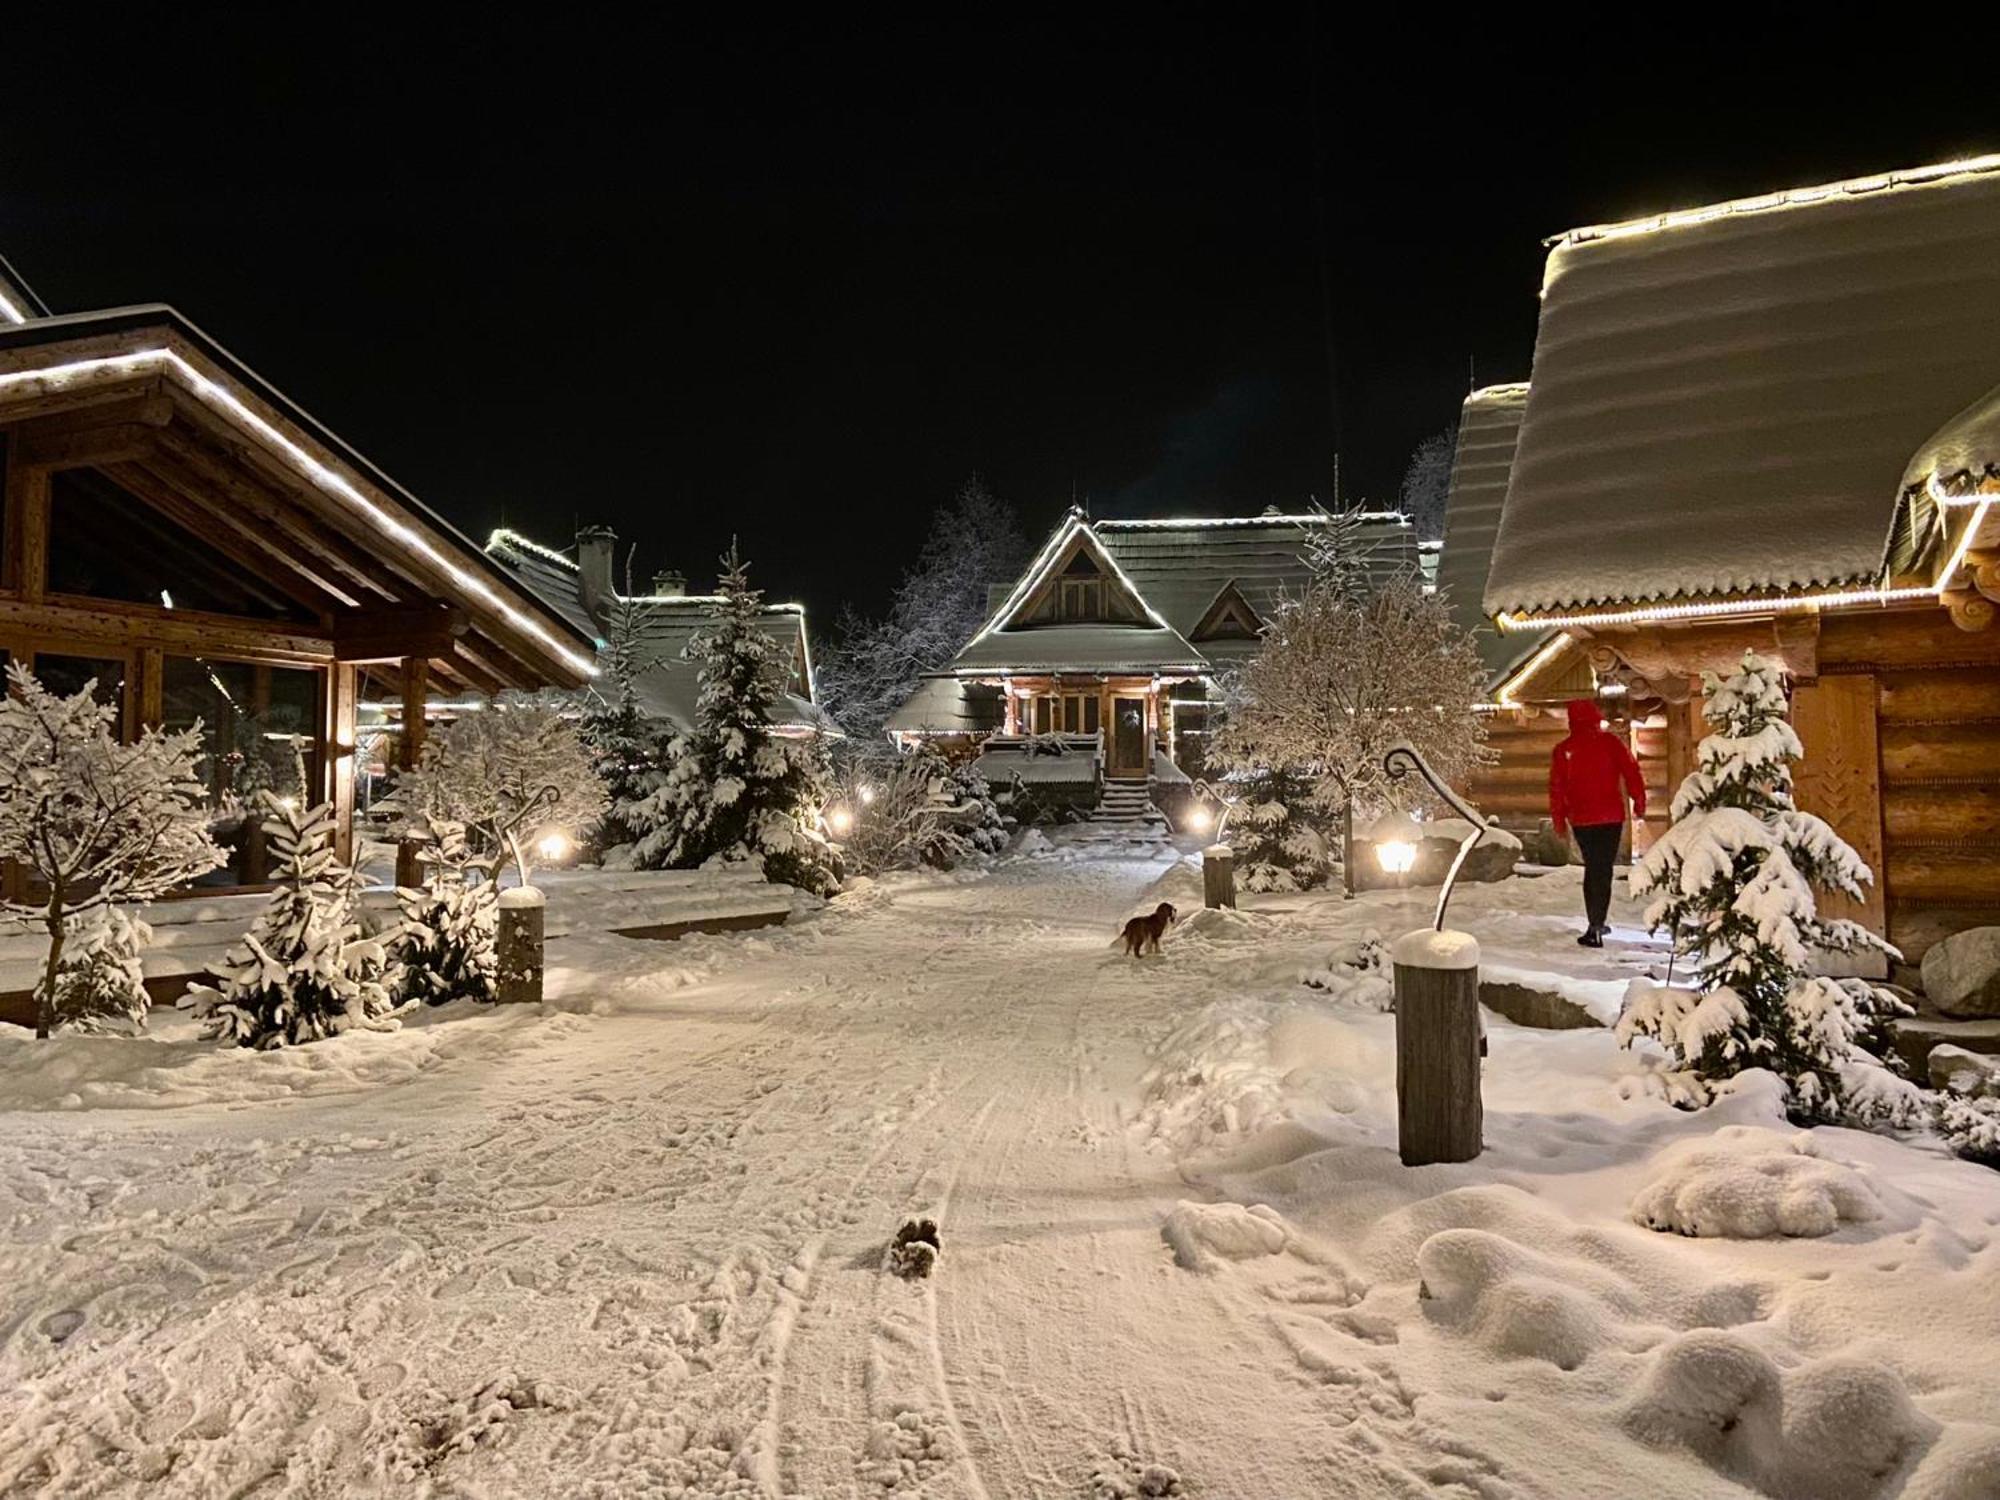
(1585, 772)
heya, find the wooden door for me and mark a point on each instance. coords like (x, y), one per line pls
(1128, 737)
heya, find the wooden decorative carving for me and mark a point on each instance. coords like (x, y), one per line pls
(1970, 609)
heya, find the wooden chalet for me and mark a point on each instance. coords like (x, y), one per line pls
(1112, 639)
(1775, 424)
(198, 546)
(580, 585)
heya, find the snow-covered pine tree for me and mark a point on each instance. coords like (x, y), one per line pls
(979, 822)
(100, 981)
(627, 747)
(303, 972)
(1283, 840)
(734, 787)
(1734, 881)
(96, 823)
(446, 946)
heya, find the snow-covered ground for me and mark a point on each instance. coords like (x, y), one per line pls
(632, 1243)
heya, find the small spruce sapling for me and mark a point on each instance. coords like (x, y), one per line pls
(1734, 880)
(101, 981)
(304, 971)
(447, 944)
(95, 823)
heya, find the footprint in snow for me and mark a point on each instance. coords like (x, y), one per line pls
(58, 1326)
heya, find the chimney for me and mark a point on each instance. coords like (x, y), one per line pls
(594, 548)
(670, 583)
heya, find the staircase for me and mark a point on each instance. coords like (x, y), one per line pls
(1127, 807)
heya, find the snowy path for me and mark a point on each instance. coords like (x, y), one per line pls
(638, 1252)
(648, 1251)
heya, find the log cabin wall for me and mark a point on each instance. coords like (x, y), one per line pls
(1935, 692)
(1513, 787)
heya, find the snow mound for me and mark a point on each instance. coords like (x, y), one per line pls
(1832, 1428)
(1204, 1235)
(1219, 924)
(1749, 1183)
(1520, 1304)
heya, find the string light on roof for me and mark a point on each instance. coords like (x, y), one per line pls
(9, 311)
(331, 480)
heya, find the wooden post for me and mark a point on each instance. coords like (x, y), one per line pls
(1218, 877)
(409, 752)
(1439, 1114)
(520, 945)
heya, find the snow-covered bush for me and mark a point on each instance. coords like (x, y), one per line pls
(733, 786)
(917, 809)
(1970, 1126)
(95, 823)
(1733, 880)
(100, 981)
(303, 971)
(447, 944)
(512, 774)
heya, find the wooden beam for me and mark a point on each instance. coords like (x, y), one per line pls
(21, 405)
(247, 549)
(114, 443)
(134, 625)
(395, 632)
(149, 668)
(339, 713)
(24, 565)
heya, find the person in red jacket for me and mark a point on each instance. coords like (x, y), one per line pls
(1590, 774)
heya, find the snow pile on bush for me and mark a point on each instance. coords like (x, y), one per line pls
(1831, 1428)
(1204, 1235)
(1358, 973)
(1748, 1183)
(1519, 1303)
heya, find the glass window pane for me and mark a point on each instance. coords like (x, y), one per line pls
(259, 733)
(66, 675)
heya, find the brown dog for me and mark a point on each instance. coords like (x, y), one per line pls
(1141, 931)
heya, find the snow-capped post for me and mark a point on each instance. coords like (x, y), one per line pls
(520, 945)
(1439, 1113)
(1218, 876)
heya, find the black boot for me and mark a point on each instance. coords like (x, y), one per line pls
(1591, 938)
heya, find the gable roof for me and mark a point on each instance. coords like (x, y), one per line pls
(311, 478)
(1177, 569)
(1489, 425)
(1726, 401)
(670, 688)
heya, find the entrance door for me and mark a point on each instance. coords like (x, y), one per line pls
(1128, 737)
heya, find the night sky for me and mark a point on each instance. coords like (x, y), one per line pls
(797, 283)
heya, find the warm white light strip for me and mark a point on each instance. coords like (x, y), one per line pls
(1718, 609)
(1533, 665)
(1769, 202)
(1200, 523)
(1494, 392)
(330, 480)
(504, 537)
(10, 312)
(1934, 487)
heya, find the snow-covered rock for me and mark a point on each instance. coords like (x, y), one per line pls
(1962, 973)
(1745, 1182)
(1203, 1235)
(1963, 1072)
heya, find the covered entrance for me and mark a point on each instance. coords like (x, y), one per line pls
(1128, 738)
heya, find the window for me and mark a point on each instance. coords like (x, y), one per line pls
(106, 543)
(1082, 599)
(259, 733)
(65, 676)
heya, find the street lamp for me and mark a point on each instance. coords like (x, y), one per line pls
(840, 820)
(1395, 836)
(1398, 763)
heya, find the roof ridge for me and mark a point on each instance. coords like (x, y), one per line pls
(1804, 197)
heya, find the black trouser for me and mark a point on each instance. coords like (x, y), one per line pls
(1599, 843)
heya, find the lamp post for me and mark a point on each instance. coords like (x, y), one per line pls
(1439, 1113)
(1218, 860)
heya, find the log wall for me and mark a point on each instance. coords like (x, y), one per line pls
(1513, 788)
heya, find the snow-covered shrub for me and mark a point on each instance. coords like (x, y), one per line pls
(1734, 881)
(1036, 804)
(1970, 1126)
(513, 773)
(446, 946)
(733, 786)
(95, 823)
(100, 982)
(303, 971)
(1749, 1183)
(1359, 972)
(917, 809)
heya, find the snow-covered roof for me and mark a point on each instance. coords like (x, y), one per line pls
(670, 688)
(1177, 570)
(948, 705)
(1489, 424)
(1726, 401)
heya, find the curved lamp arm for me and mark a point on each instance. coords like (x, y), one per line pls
(1401, 759)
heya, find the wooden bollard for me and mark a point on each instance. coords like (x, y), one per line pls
(1218, 876)
(519, 945)
(1439, 1114)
